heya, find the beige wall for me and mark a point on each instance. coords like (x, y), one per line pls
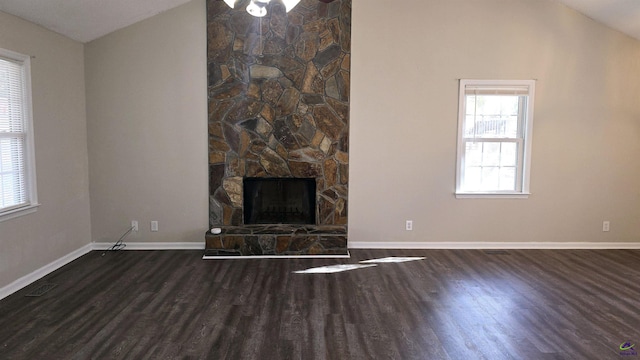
(62, 224)
(146, 88)
(406, 64)
(146, 120)
(146, 123)
(147, 126)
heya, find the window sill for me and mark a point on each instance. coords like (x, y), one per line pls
(14, 213)
(492, 195)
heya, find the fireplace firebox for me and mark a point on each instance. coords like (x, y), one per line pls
(279, 201)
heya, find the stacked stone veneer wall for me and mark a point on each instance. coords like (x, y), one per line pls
(278, 90)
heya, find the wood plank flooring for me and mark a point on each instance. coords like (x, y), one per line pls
(455, 304)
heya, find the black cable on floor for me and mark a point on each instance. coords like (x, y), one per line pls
(119, 245)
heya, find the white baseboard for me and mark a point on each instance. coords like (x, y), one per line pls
(43, 271)
(494, 245)
(153, 246)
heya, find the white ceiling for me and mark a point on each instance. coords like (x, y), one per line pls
(622, 15)
(86, 20)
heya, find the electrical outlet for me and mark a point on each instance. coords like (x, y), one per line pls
(605, 225)
(134, 225)
(409, 225)
(154, 226)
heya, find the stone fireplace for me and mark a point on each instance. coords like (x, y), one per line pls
(278, 90)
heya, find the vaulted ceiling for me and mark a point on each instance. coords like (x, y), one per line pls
(86, 20)
(622, 15)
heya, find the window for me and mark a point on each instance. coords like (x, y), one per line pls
(494, 137)
(17, 170)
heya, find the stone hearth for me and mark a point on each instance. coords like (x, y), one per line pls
(251, 240)
(279, 108)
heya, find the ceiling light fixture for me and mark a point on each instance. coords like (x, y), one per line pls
(258, 8)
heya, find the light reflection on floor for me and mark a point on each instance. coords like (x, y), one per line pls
(333, 269)
(392, 259)
(363, 264)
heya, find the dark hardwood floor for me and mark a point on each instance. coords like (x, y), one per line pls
(455, 304)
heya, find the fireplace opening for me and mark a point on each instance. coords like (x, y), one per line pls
(279, 201)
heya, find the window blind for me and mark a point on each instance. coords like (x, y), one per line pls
(13, 187)
(496, 90)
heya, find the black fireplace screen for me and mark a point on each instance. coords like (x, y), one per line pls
(279, 201)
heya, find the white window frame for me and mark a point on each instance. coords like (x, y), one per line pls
(524, 139)
(29, 168)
